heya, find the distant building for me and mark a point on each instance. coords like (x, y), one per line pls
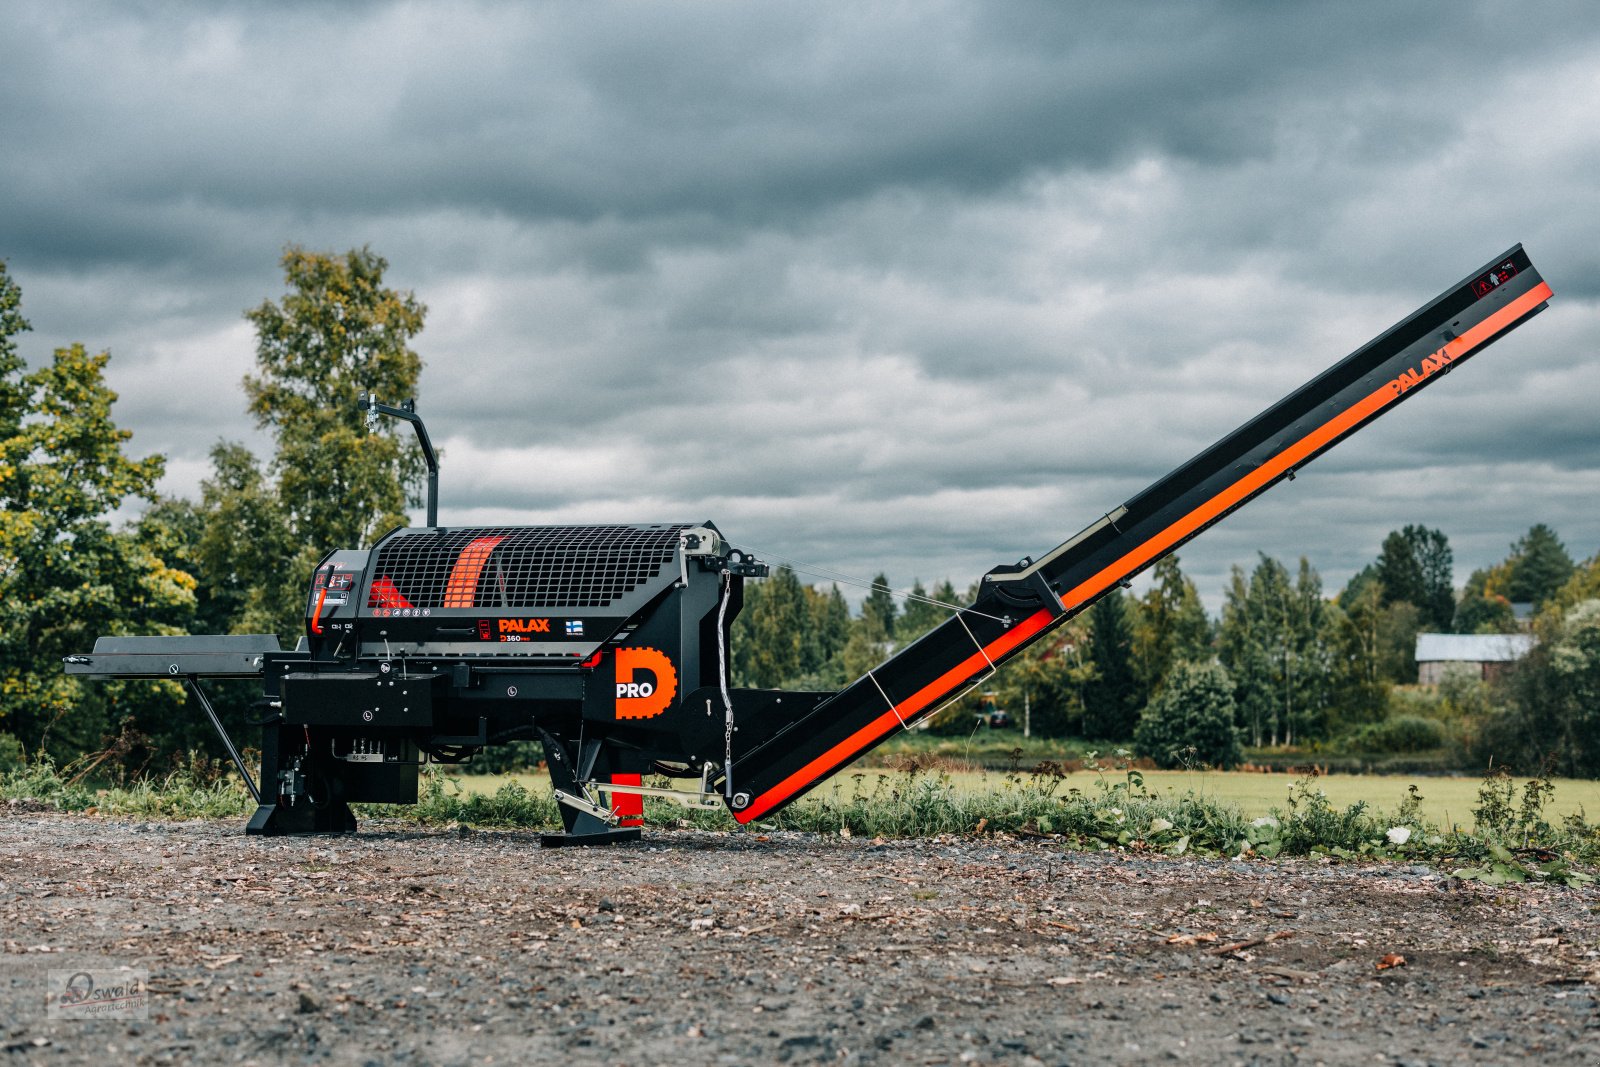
(1483, 656)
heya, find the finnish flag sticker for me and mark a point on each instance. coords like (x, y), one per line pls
(574, 627)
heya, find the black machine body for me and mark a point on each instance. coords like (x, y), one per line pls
(607, 644)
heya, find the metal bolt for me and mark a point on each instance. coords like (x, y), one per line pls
(741, 800)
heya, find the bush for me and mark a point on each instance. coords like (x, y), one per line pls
(514, 757)
(1424, 700)
(1312, 823)
(1466, 696)
(11, 758)
(1191, 720)
(1403, 733)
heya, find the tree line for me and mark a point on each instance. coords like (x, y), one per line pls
(235, 561)
(1284, 665)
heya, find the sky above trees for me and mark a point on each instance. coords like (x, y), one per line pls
(914, 289)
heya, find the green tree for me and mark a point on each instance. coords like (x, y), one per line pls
(1314, 669)
(1484, 608)
(14, 403)
(1432, 551)
(1553, 720)
(878, 610)
(1044, 686)
(1373, 646)
(1273, 641)
(790, 635)
(14, 393)
(872, 636)
(863, 650)
(67, 575)
(1191, 720)
(244, 544)
(1111, 697)
(337, 332)
(1358, 631)
(920, 614)
(1539, 565)
(770, 633)
(1572, 697)
(1399, 572)
(1583, 585)
(1169, 625)
(1416, 567)
(1242, 649)
(828, 630)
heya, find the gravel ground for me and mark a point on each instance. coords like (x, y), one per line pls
(399, 945)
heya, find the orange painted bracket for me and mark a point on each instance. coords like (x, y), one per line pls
(628, 806)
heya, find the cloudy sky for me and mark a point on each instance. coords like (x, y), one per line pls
(912, 287)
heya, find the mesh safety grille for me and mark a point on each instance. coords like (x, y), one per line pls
(520, 567)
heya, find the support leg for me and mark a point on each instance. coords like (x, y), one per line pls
(582, 828)
(227, 742)
(303, 795)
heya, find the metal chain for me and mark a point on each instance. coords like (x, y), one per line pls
(722, 680)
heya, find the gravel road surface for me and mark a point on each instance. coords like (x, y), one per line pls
(407, 946)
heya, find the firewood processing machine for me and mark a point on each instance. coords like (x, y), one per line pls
(609, 644)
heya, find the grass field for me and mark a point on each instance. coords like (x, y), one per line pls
(1446, 801)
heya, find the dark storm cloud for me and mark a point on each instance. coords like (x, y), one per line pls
(737, 111)
(919, 287)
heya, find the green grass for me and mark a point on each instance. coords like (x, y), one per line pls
(1517, 831)
(1446, 802)
(1497, 830)
(988, 748)
(177, 796)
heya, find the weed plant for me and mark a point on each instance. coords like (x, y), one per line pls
(441, 800)
(1511, 839)
(179, 795)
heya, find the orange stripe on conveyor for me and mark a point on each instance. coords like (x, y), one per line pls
(1301, 451)
(1151, 549)
(462, 589)
(895, 717)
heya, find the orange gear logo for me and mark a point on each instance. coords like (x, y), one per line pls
(646, 683)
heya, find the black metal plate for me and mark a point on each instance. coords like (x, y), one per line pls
(204, 656)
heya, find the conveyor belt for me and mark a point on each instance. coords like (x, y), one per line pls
(1018, 605)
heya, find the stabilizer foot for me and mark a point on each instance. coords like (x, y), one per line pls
(279, 820)
(615, 836)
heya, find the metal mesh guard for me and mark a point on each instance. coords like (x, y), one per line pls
(519, 567)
